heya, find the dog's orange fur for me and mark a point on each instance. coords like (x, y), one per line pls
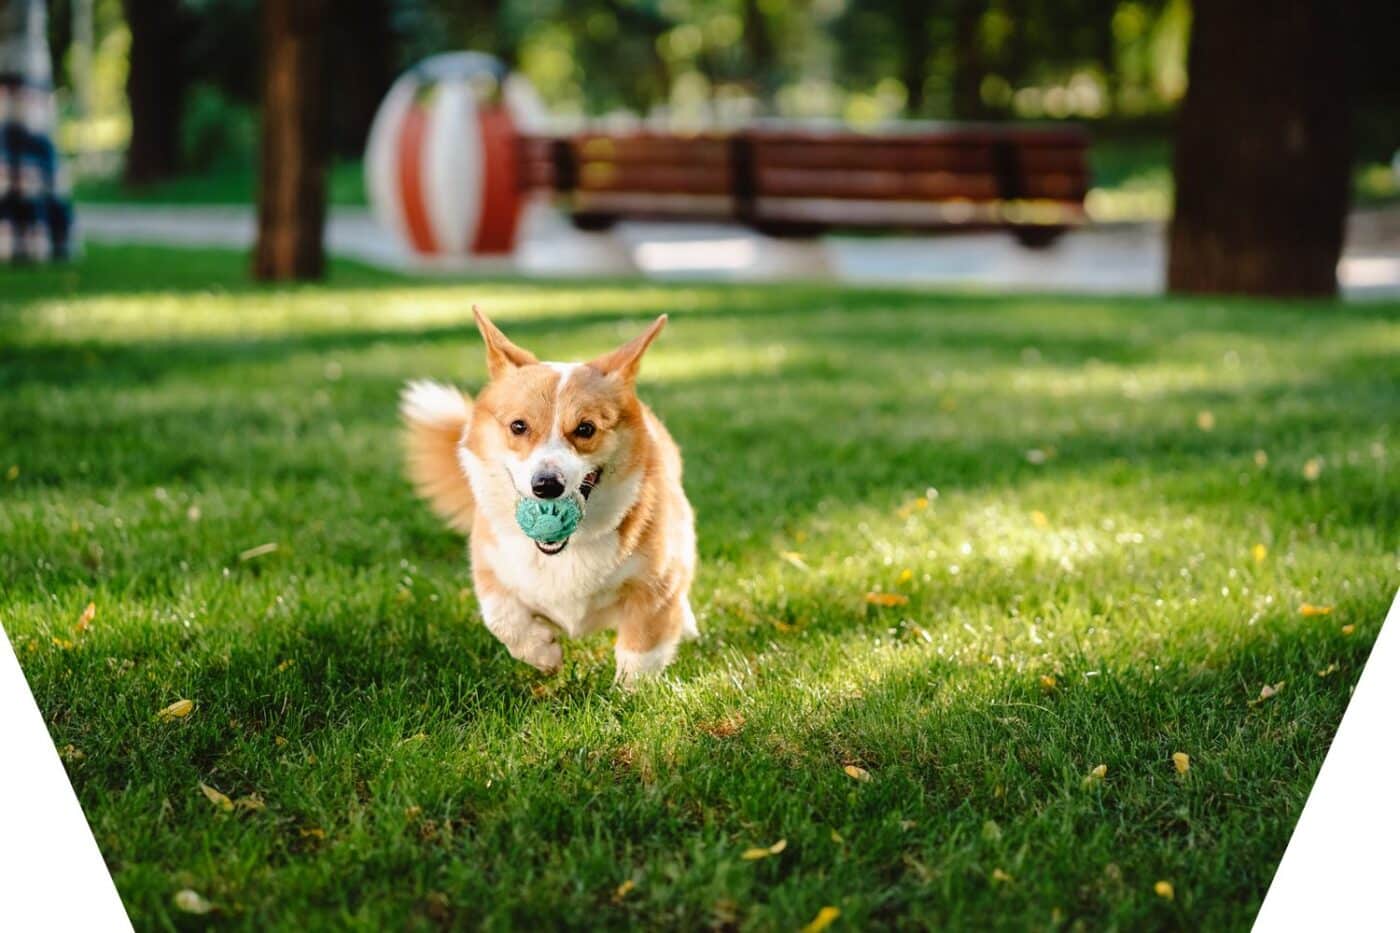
(629, 565)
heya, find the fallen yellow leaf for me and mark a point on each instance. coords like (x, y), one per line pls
(312, 832)
(218, 799)
(886, 599)
(1000, 876)
(258, 551)
(1096, 775)
(251, 803)
(1260, 552)
(753, 855)
(1047, 681)
(1268, 691)
(279, 740)
(1182, 761)
(837, 837)
(794, 558)
(860, 774)
(824, 918)
(1348, 628)
(1329, 670)
(191, 902)
(1164, 890)
(1309, 610)
(177, 710)
(623, 890)
(85, 620)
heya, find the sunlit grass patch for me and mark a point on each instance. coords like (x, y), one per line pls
(974, 571)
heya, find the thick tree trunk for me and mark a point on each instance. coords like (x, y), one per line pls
(292, 185)
(1262, 150)
(155, 89)
(361, 57)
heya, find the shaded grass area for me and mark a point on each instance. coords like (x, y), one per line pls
(1104, 516)
(228, 183)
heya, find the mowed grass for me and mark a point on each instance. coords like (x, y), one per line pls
(1105, 516)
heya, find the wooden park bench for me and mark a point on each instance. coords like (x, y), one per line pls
(802, 183)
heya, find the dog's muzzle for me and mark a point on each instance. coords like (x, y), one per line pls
(585, 489)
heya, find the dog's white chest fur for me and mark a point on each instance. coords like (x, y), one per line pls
(569, 588)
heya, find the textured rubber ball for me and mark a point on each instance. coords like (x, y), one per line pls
(547, 520)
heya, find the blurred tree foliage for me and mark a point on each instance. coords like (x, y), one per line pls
(1121, 63)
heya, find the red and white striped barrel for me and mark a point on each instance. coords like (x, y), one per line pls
(441, 167)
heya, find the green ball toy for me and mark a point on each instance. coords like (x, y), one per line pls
(547, 521)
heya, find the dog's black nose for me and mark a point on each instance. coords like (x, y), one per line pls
(547, 485)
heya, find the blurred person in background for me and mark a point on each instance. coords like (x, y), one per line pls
(36, 218)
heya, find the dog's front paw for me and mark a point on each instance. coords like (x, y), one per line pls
(546, 656)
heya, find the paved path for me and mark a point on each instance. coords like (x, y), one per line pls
(1123, 259)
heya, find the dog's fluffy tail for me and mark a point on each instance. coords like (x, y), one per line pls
(436, 418)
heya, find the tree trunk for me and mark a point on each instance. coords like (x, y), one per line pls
(758, 47)
(1263, 150)
(155, 89)
(968, 66)
(916, 47)
(292, 189)
(361, 59)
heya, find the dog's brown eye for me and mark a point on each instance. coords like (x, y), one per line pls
(585, 429)
(517, 426)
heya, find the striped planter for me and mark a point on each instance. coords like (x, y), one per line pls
(441, 166)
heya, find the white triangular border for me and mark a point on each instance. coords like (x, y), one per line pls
(52, 877)
(1341, 870)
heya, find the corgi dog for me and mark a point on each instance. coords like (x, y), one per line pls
(546, 430)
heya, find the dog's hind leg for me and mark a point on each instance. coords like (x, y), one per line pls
(648, 636)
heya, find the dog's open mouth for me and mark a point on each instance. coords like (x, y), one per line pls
(585, 489)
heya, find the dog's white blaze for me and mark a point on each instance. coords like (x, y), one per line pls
(555, 452)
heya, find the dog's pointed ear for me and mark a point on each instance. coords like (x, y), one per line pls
(502, 356)
(624, 362)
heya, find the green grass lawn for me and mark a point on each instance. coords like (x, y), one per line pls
(1100, 518)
